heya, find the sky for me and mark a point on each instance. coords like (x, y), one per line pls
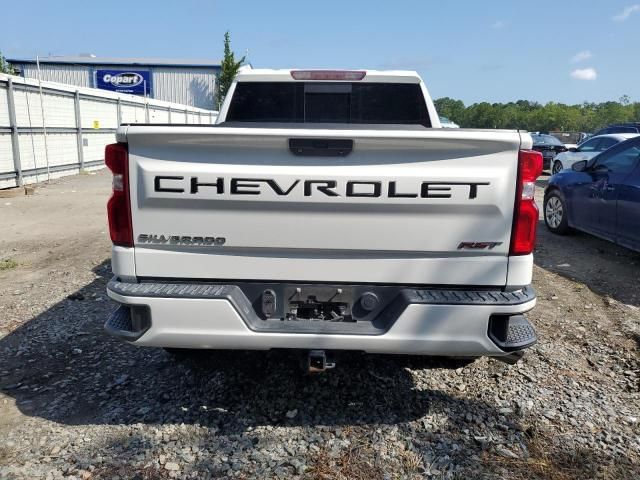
(566, 51)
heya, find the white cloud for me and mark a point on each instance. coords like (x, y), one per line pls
(498, 24)
(581, 56)
(626, 13)
(584, 74)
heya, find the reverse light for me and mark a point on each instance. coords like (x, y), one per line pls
(346, 75)
(525, 215)
(116, 157)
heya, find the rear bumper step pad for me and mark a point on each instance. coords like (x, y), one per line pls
(379, 323)
(129, 322)
(512, 332)
(423, 296)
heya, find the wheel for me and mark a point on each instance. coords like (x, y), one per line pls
(555, 213)
(557, 167)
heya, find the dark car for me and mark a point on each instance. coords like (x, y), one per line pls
(630, 127)
(600, 196)
(549, 146)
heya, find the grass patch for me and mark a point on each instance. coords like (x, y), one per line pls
(353, 463)
(8, 264)
(128, 471)
(548, 460)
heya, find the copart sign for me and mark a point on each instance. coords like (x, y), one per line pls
(135, 82)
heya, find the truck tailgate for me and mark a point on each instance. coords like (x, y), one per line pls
(404, 206)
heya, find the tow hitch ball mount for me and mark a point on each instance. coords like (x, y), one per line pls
(318, 361)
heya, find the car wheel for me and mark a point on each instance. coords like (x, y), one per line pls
(557, 167)
(555, 213)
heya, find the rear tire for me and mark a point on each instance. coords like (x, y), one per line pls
(557, 167)
(555, 213)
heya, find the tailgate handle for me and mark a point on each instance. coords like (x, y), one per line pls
(320, 147)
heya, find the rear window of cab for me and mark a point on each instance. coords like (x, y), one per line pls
(329, 102)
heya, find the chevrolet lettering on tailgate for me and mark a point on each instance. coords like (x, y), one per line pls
(330, 188)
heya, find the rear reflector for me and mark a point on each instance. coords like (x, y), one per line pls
(525, 215)
(116, 157)
(347, 75)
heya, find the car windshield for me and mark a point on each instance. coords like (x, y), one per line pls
(545, 139)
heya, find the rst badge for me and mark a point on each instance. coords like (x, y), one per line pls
(478, 245)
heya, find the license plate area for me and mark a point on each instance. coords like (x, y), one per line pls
(318, 303)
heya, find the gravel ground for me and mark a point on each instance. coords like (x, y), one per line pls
(75, 403)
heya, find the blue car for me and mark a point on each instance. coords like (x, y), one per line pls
(600, 196)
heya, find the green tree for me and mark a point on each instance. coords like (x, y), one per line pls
(6, 67)
(450, 108)
(533, 116)
(228, 70)
(480, 115)
(635, 111)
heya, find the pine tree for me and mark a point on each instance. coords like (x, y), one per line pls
(228, 70)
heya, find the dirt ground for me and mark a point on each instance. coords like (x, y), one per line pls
(56, 237)
(76, 403)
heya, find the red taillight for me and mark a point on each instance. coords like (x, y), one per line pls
(345, 75)
(116, 157)
(525, 219)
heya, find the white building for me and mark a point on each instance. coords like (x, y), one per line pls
(187, 82)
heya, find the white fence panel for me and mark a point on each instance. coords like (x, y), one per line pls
(133, 114)
(94, 144)
(42, 176)
(130, 114)
(33, 149)
(178, 116)
(62, 148)
(157, 115)
(28, 110)
(6, 159)
(32, 152)
(60, 111)
(4, 109)
(92, 111)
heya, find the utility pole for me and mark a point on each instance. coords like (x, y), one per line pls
(44, 123)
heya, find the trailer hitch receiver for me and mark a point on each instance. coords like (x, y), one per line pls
(318, 361)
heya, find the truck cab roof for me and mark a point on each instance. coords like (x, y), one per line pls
(327, 75)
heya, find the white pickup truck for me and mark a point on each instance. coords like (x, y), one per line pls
(325, 211)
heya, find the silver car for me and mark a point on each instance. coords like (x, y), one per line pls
(587, 150)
